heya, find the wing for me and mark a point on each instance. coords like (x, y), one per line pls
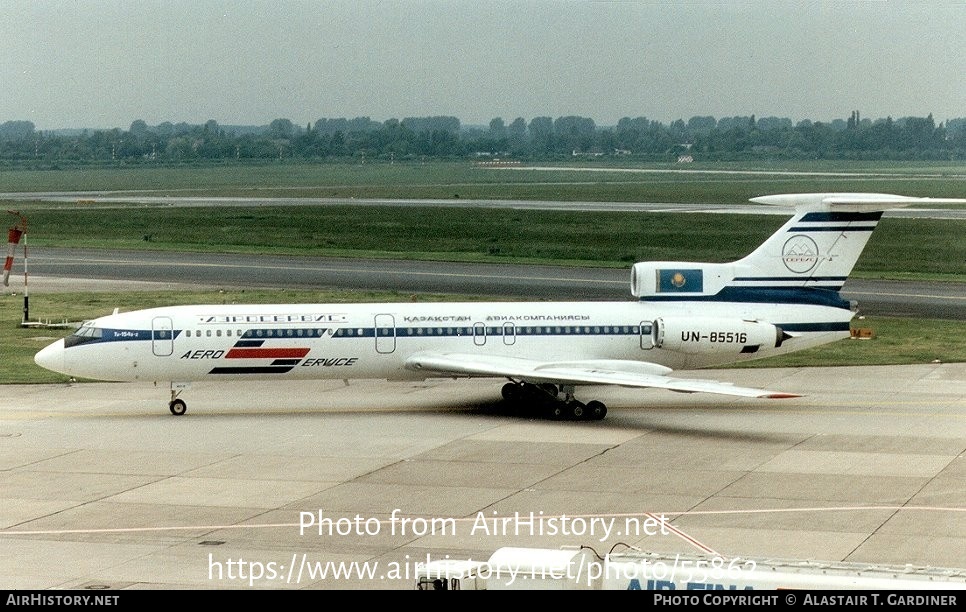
(586, 372)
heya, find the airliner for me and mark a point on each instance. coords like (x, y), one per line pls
(782, 297)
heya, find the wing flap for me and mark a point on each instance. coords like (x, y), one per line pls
(588, 372)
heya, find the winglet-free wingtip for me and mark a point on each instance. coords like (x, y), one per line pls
(781, 395)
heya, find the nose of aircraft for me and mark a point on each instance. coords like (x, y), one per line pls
(51, 357)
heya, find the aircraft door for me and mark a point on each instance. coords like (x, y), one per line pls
(509, 333)
(479, 334)
(162, 336)
(385, 333)
(648, 335)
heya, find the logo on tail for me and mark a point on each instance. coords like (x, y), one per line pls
(800, 254)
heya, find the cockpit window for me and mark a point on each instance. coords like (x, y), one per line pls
(83, 335)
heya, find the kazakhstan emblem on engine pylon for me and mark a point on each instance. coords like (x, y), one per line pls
(678, 280)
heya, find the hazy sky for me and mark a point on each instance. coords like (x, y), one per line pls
(105, 63)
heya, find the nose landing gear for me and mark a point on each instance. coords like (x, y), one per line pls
(177, 406)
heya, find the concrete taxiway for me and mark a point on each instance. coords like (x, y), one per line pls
(100, 487)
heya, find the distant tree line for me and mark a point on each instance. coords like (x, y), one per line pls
(698, 138)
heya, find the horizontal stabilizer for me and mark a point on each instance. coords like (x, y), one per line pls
(848, 202)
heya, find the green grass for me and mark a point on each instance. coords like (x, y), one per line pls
(925, 247)
(899, 248)
(896, 341)
(707, 182)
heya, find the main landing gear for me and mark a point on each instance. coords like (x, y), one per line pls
(544, 400)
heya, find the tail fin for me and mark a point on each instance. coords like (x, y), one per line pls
(806, 261)
(820, 244)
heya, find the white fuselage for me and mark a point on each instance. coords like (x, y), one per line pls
(351, 341)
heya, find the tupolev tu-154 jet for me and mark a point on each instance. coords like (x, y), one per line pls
(783, 297)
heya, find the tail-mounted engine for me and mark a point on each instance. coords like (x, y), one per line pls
(676, 279)
(715, 335)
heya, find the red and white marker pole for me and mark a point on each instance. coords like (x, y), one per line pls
(13, 239)
(14, 235)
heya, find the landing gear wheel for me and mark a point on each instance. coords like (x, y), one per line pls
(177, 407)
(576, 410)
(596, 410)
(510, 392)
(555, 411)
